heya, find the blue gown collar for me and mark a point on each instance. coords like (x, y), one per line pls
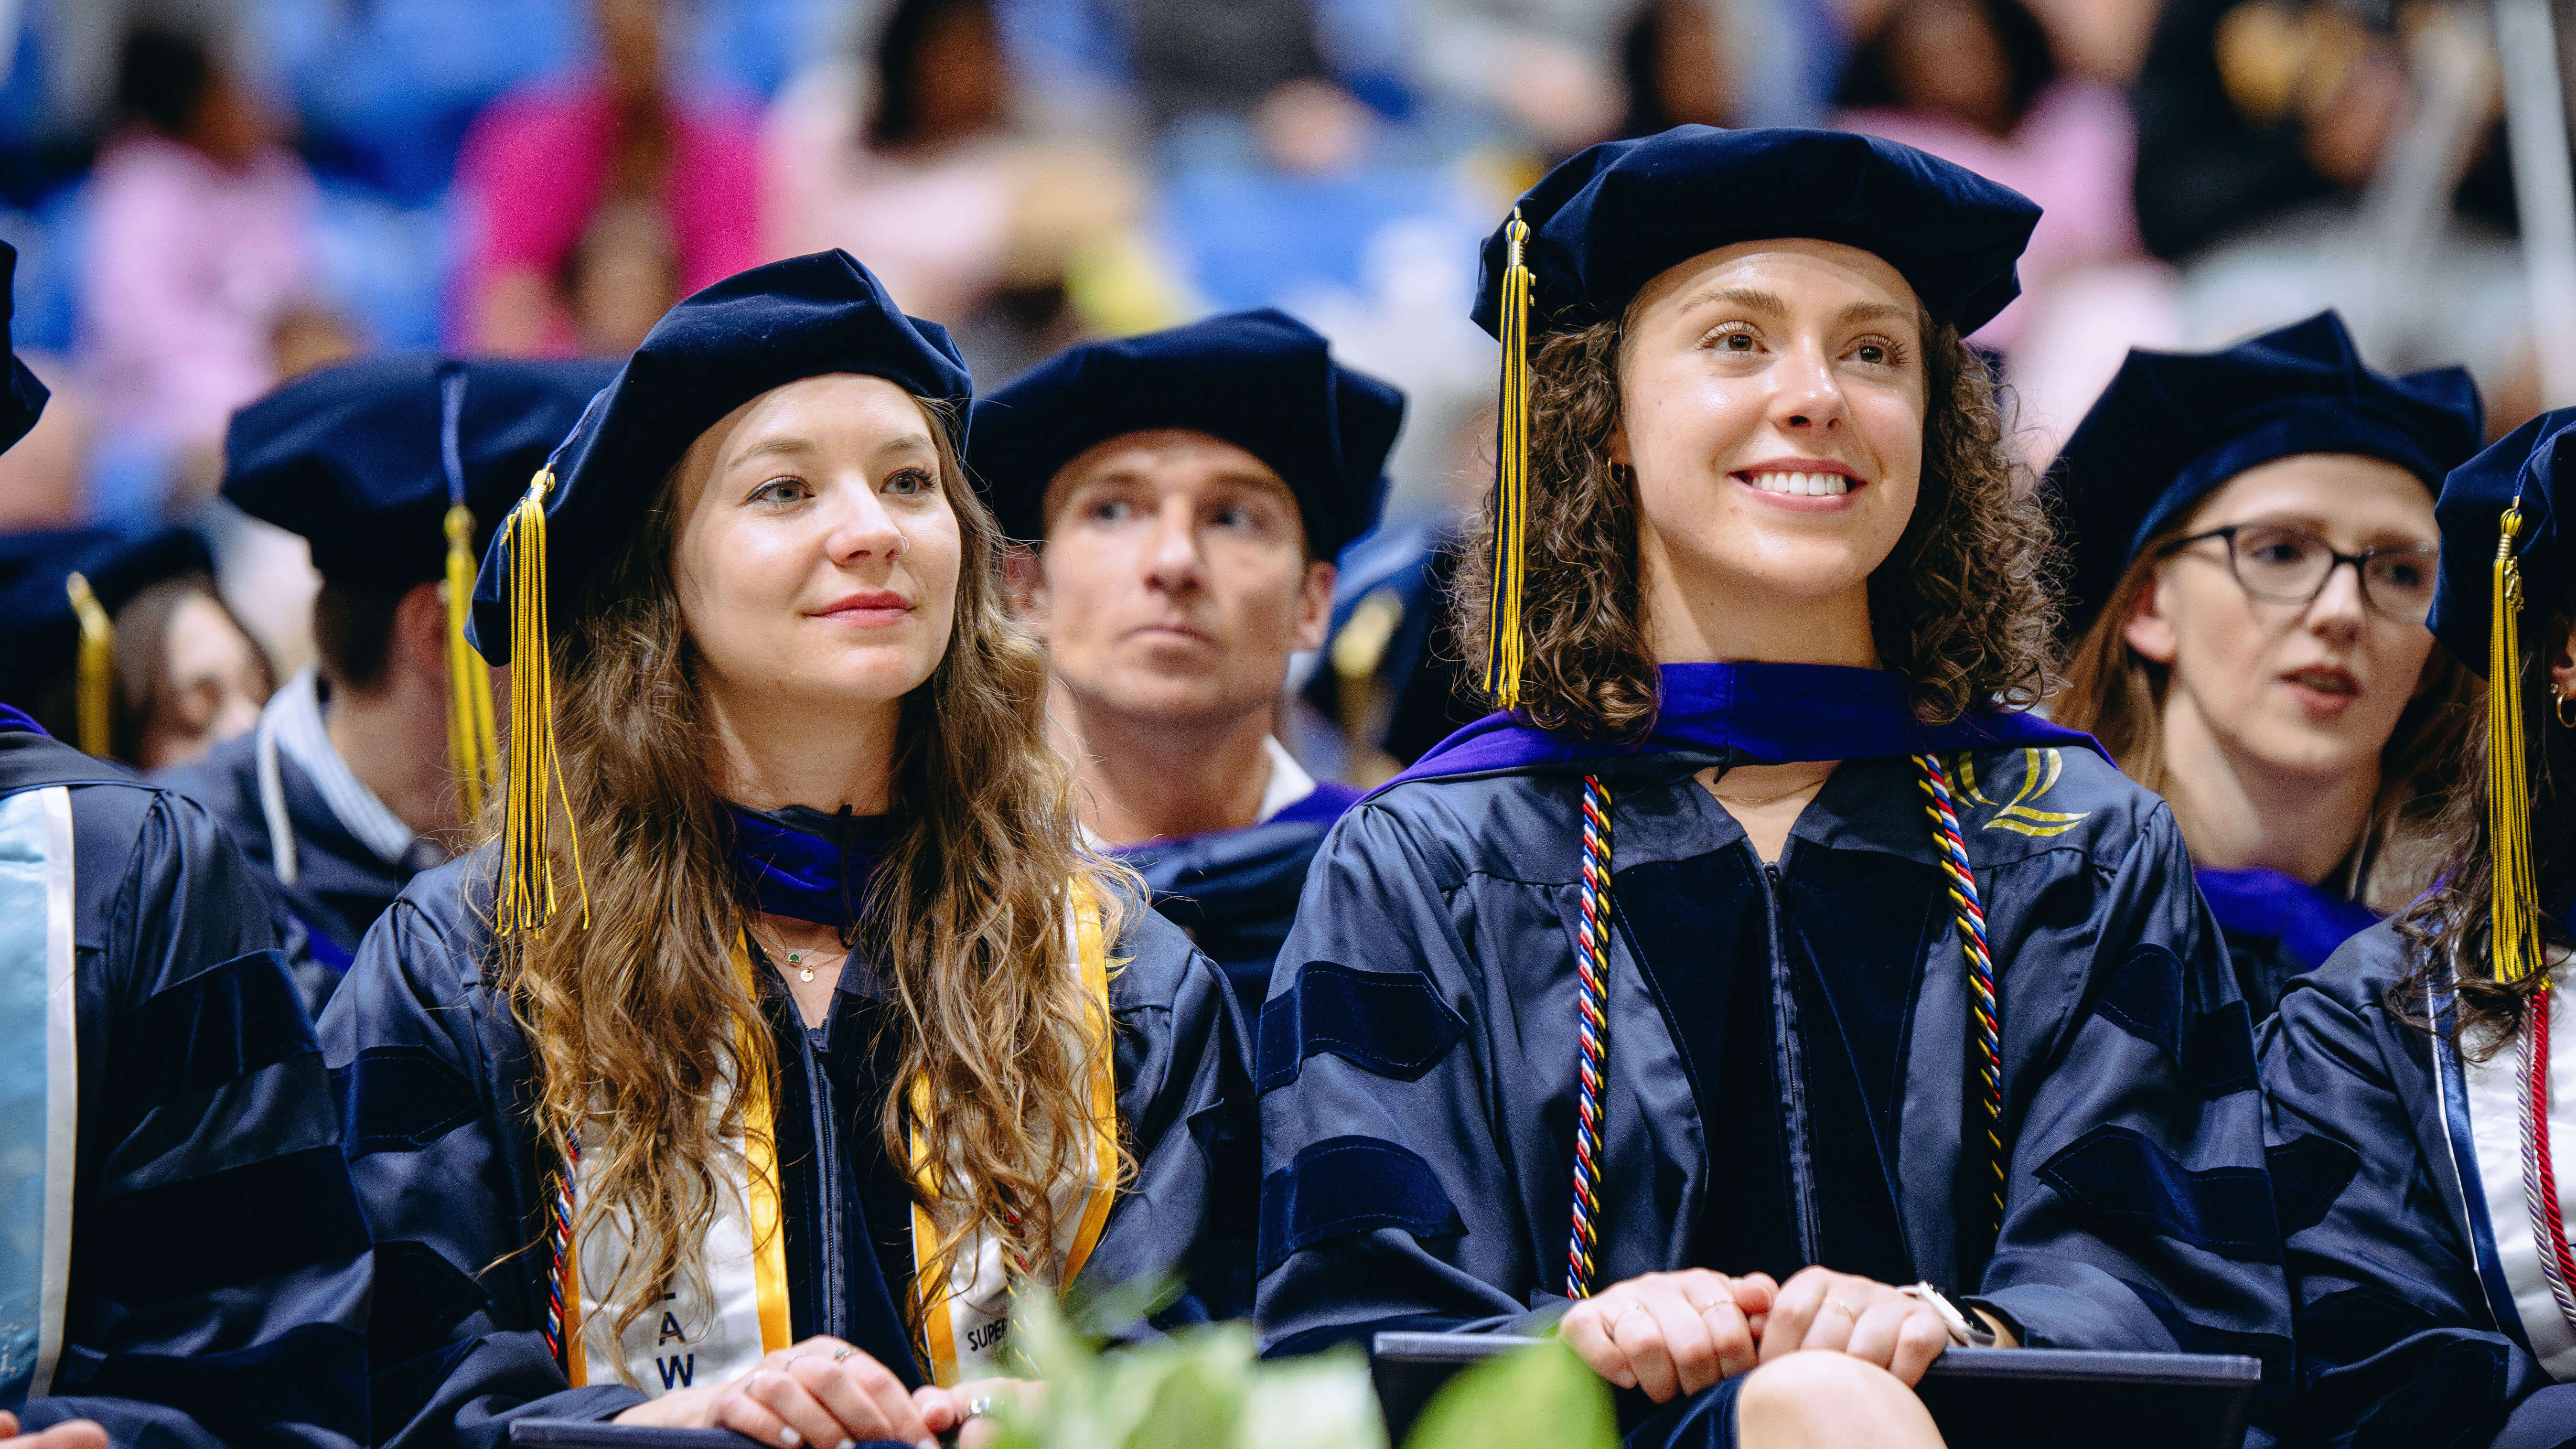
(2308, 922)
(1755, 713)
(805, 865)
(14, 718)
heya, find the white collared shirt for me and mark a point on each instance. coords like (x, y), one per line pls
(1289, 782)
(291, 724)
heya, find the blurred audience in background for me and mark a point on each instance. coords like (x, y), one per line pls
(193, 294)
(209, 195)
(593, 202)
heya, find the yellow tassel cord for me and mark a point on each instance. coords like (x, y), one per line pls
(95, 687)
(1503, 644)
(2516, 911)
(472, 751)
(527, 896)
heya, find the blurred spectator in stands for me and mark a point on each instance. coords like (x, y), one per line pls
(594, 203)
(1677, 67)
(199, 246)
(1975, 82)
(1546, 66)
(910, 159)
(43, 475)
(2251, 108)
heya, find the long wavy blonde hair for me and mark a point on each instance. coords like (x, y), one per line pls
(637, 1022)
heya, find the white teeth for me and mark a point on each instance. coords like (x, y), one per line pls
(1812, 485)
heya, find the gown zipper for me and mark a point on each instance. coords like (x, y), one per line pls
(827, 1171)
(1788, 1066)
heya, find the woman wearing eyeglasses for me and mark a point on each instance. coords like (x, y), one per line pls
(2254, 559)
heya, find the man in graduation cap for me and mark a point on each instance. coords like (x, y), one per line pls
(364, 768)
(182, 1260)
(1189, 491)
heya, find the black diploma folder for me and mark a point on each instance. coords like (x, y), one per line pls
(2032, 1398)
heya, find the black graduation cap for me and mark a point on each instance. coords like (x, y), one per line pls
(2535, 463)
(1260, 380)
(1579, 246)
(2173, 426)
(2504, 532)
(1613, 217)
(365, 459)
(804, 317)
(718, 349)
(25, 398)
(60, 591)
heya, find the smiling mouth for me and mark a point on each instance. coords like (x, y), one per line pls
(1809, 485)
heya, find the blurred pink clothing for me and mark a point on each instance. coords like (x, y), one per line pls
(191, 265)
(534, 168)
(935, 233)
(2075, 153)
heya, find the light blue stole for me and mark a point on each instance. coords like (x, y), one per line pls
(39, 1087)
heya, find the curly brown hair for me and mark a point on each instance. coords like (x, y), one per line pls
(1962, 606)
(2449, 924)
(2117, 695)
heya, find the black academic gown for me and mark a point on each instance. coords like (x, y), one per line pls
(439, 1096)
(219, 1272)
(2407, 1331)
(1417, 1063)
(1235, 891)
(341, 885)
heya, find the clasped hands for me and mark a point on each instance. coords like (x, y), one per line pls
(825, 1394)
(1678, 1333)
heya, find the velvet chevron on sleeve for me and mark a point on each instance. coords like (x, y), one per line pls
(219, 1278)
(1417, 1061)
(439, 1090)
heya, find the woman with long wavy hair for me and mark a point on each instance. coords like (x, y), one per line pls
(1765, 974)
(2293, 712)
(2416, 1080)
(781, 1030)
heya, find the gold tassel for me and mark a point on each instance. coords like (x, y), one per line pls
(527, 892)
(94, 690)
(1503, 642)
(2515, 919)
(472, 752)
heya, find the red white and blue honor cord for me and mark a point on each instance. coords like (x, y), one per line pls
(1592, 1026)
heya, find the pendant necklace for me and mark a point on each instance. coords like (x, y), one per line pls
(796, 962)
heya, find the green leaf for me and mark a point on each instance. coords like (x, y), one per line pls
(1540, 1397)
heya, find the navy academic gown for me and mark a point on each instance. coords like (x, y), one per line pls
(219, 1271)
(341, 885)
(2277, 926)
(1235, 891)
(2407, 1329)
(440, 1093)
(1417, 1062)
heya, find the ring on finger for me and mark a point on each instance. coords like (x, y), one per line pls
(839, 1354)
(979, 1406)
(1846, 1309)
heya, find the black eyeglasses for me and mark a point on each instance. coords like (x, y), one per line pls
(2291, 565)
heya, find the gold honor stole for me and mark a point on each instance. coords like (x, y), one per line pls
(730, 1308)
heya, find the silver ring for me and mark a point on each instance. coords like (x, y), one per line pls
(842, 1353)
(1847, 1310)
(979, 1406)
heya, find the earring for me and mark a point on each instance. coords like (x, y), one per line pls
(2565, 700)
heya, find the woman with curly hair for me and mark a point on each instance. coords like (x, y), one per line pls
(2294, 713)
(2413, 1081)
(1762, 964)
(771, 1042)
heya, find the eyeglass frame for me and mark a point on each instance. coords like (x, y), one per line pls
(2360, 573)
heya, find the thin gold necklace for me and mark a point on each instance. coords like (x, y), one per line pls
(1815, 783)
(796, 960)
